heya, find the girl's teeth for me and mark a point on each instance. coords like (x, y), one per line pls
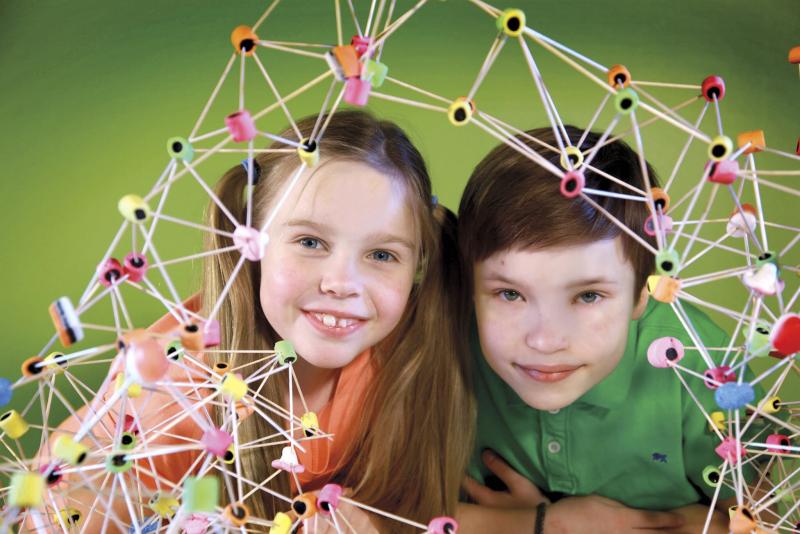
(343, 323)
(328, 320)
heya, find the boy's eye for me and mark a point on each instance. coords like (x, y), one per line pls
(382, 256)
(589, 297)
(509, 295)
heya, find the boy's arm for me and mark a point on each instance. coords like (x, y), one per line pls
(515, 510)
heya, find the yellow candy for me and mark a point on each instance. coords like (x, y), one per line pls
(13, 424)
(281, 524)
(134, 390)
(233, 387)
(69, 450)
(310, 423)
(460, 111)
(575, 157)
(164, 505)
(26, 490)
(308, 152)
(720, 148)
(55, 361)
(69, 516)
(134, 208)
(511, 22)
(719, 422)
(771, 405)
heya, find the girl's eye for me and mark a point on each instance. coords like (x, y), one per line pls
(382, 256)
(309, 242)
(589, 297)
(509, 295)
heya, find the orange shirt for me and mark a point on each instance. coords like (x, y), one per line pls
(322, 457)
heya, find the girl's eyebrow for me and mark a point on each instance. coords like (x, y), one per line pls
(372, 238)
(305, 222)
(390, 238)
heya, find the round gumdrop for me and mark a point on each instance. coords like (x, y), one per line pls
(180, 148)
(328, 498)
(668, 262)
(135, 266)
(713, 87)
(6, 391)
(626, 101)
(718, 375)
(442, 525)
(572, 184)
(244, 39)
(665, 352)
(144, 356)
(109, 272)
(732, 396)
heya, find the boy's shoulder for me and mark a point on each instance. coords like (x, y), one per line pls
(682, 321)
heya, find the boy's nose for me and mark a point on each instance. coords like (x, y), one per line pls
(547, 334)
(340, 278)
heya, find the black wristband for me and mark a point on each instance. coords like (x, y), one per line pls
(540, 509)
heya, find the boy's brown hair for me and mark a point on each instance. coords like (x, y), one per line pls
(511, 202)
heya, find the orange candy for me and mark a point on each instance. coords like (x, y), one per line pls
(617, 75)
(243, 37)
(755, 138)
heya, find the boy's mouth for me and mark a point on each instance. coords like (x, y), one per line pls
(547, 373)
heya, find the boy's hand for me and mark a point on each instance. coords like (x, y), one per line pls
(522, 493)
(514, 509)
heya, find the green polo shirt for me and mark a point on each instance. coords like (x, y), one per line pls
(636, 437)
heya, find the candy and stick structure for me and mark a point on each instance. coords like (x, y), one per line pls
(204, 391)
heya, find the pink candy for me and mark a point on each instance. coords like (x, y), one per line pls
(718, 374)
(241, 126)
(135, 266)
(361, 44)
(442, 525)
(777, 439)
(211, 333)
(328, 498)
(723, 172)
(216, 441)
(572, 184)
(665, 352)
(730, 450)
(109, 271)
(356, 91)
(250, 242)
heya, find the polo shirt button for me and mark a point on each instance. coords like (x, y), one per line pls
(554, 447)
(554, 411)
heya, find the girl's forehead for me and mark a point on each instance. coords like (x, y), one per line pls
(351, 197)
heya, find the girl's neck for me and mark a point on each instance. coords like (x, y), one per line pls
(316, 383)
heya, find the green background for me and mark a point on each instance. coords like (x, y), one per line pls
(91, 90)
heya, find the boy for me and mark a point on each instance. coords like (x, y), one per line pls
(565, 392)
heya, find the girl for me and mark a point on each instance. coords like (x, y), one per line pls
(356, 276)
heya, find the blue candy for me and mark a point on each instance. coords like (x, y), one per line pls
(5, 391)
(732, 396)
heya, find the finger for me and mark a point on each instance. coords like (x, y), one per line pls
(479, 493)
(657, 520)
(507, 474)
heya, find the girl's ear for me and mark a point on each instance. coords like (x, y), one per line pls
(641, 305)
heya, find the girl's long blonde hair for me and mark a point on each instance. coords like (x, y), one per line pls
(413, 434)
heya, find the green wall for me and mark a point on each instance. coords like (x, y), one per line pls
(91, 90)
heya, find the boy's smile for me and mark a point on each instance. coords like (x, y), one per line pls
(554, 322)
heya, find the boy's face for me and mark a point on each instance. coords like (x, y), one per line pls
(554, 322)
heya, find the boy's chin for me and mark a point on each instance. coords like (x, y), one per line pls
(539, 400)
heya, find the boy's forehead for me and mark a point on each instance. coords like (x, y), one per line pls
(602, 260)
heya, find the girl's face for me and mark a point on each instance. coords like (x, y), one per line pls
(340, 263)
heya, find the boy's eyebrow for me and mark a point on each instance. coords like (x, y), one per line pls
(598, 280)
(492, 276)
(373, 238)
